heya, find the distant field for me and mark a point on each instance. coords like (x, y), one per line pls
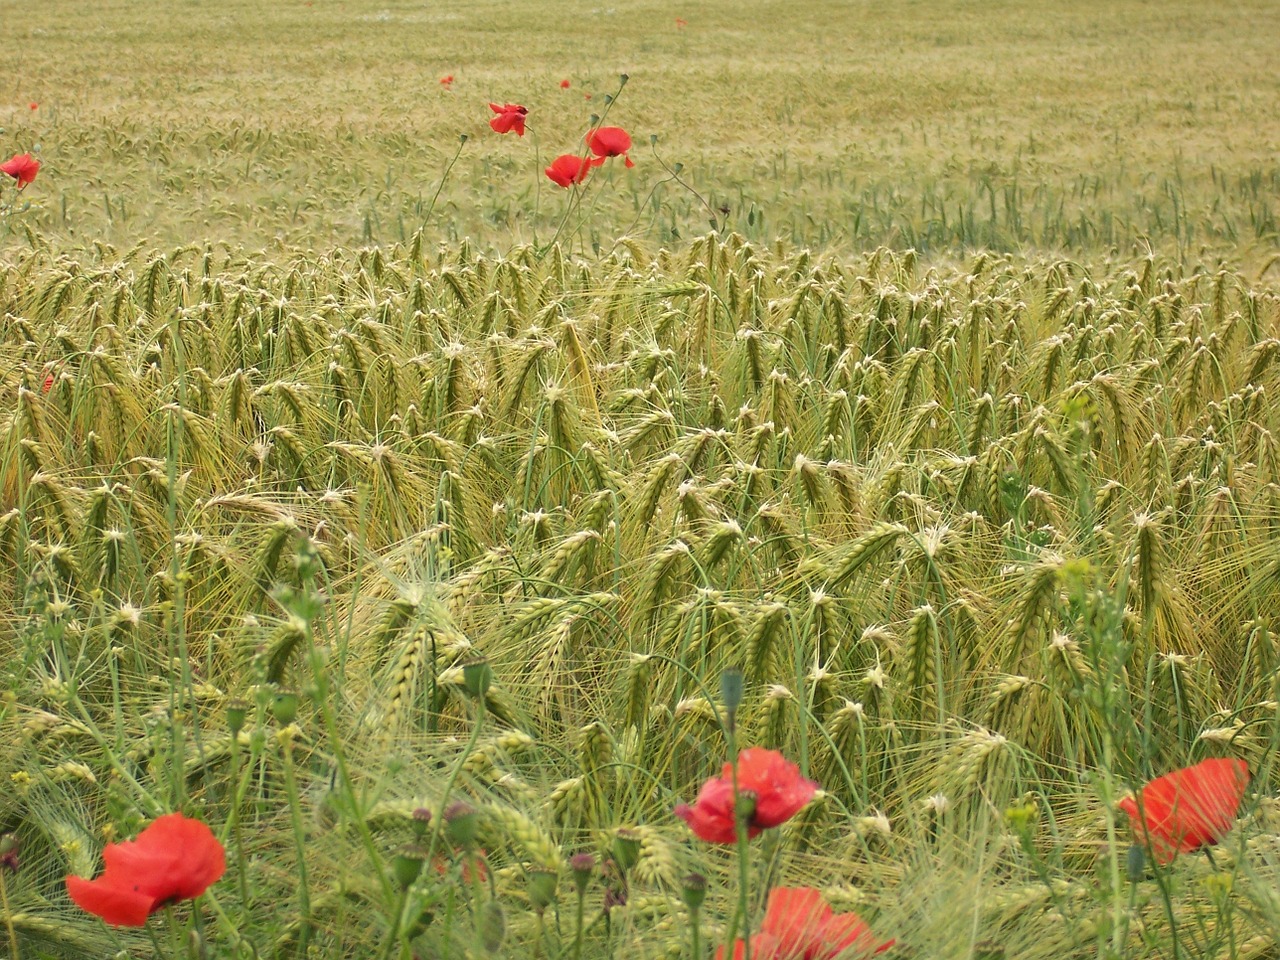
(326, 504)
(931, 125)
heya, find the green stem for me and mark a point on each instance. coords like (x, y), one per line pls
(8, 915)
(695, 936)
(236, 833)
(577, 932)
(300, 845)
(462, 140)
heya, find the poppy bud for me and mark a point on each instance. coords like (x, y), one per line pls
(626, 848)
(237, 710)
(693, 889)
(623, 78)
(477, 676)
(9, 853)
(421, 820)
(407, 864)
(583, 866)
(653, 139)
(285, 707)
(462, 823)
(541, 884)
(1135, 864)
(493, 926)
(731, 689)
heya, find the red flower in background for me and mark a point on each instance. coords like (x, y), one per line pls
(606, 142)
(48, 382)
(510, 116)
(773, 780)
(446, 80)
(568, 169)
(564, 84)
(23, 168)
(798, 925)
(175, 858)
(681, 23)
(33, 105)
(1189, 808)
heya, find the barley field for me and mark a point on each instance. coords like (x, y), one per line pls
(433, 534)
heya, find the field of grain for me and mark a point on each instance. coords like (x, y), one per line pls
(343, 481)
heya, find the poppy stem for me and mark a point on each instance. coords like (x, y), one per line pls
(8, 916)
(300, 843)
(462, 142)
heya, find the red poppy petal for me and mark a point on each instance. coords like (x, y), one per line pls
(118, 906)
(1188, 808)
(711, 816)
(844, 931)
(630, 163)
(175, 858)
(780, 791)
(794, 915)
(763, 947)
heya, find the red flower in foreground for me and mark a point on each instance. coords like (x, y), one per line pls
(510, 116)
(23, 168)
(774, 782)
(568, 169)
(606, 142)
(175, 858)
(446, 80)
(1189, 808)
(564, 84)
(798, 925)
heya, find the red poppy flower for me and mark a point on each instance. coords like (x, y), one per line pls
(798, 925)
(33, 105)
(175, 858)
(606, 142)
(1189, 808)
(446, 79)
(48, 383)
(568, 169)
(774, 781)
(510, 116)
(23, 168)
(681, 23)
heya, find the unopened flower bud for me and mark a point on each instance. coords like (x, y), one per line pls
(1135, 864)
(421, 820)
(285, 707)
(626, 848)
(237, 711)
(407, 864)
(493, 926)
(541, 884)
(477, 676)
(462, 823)
(693, 889)
(583, 866)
